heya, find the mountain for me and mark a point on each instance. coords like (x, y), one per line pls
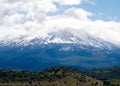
(57, 76)
(58, 48)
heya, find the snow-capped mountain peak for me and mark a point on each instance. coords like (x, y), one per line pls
(59, 37)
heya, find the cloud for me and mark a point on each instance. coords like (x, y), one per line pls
(30, 19)
(76, 13)
(90, 1)
(70, 2)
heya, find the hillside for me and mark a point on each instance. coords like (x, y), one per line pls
(110, 75)
(58, 76)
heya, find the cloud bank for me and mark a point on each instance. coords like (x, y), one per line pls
(31, 19)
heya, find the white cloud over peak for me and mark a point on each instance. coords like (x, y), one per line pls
(30, 19)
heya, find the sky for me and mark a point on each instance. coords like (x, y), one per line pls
(105, 9)
(31, 19)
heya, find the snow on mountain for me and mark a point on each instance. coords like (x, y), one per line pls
(59, 37)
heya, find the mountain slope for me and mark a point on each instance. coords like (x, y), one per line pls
(38, 57)
(61, 48)
(58, 76)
